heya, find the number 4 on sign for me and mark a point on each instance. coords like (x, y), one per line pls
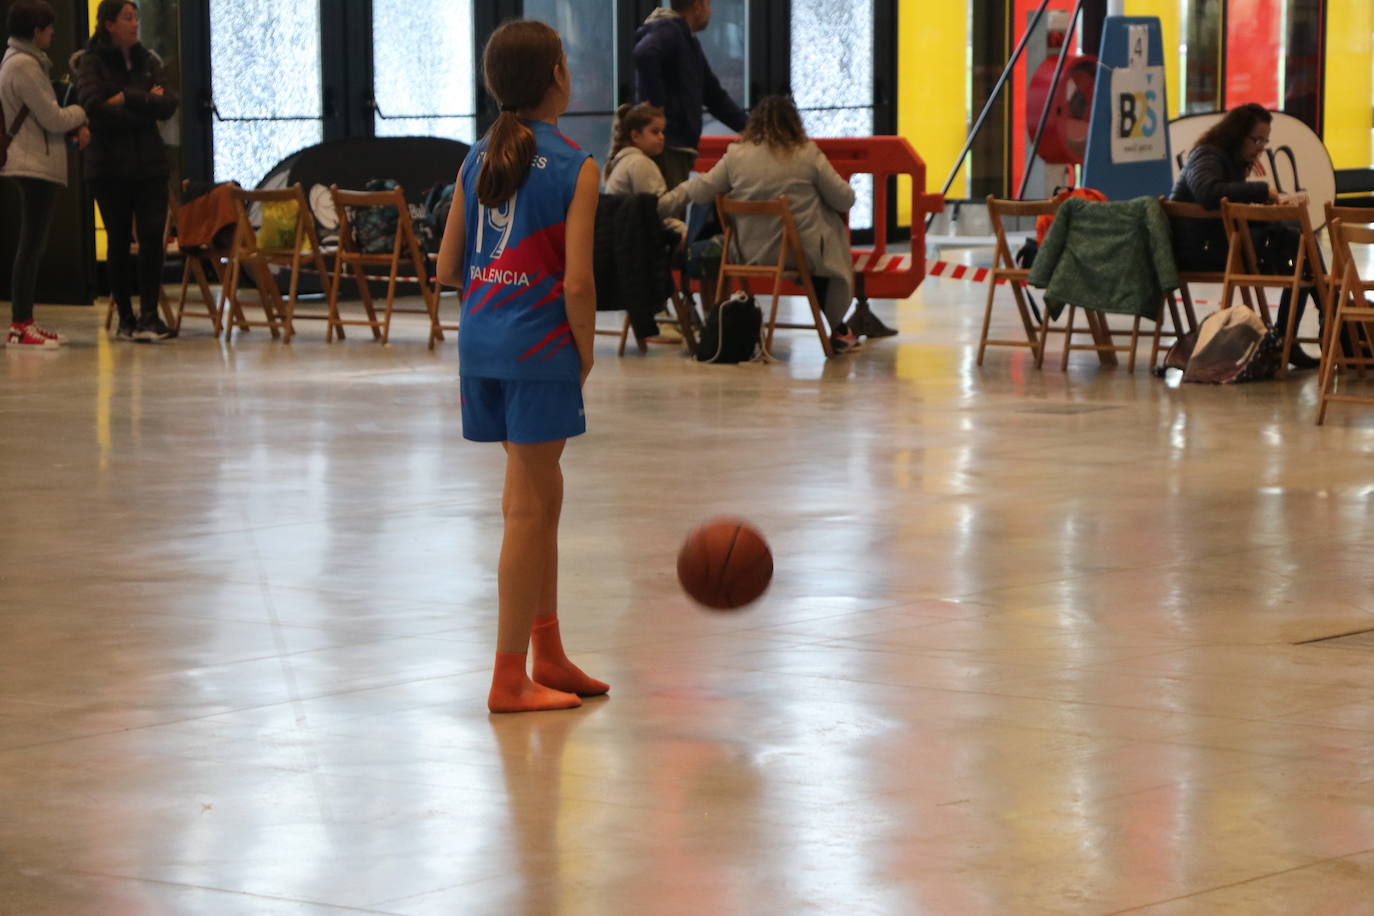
(1139, 43)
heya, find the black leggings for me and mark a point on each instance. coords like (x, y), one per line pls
(129, 206)
(36, 200)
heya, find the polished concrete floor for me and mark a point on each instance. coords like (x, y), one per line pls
(1032, 646)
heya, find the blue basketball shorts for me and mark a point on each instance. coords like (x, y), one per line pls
(524, 411)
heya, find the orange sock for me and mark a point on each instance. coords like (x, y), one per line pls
(551, 665)
(513, 691)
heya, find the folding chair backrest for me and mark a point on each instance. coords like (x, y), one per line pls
(394, 197)
(304, 229)
(1347, 216)
(779, 209)
(1178, 209)
(999, 209)
(1238, 218)
(245, 238)
(1344, 235)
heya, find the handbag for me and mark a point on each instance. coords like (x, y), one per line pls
(7, 135)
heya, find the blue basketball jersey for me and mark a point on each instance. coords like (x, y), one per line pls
(515, 320)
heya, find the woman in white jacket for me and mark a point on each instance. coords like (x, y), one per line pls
(37, 158)
(773, 157)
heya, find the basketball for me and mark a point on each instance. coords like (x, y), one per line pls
(724, 564)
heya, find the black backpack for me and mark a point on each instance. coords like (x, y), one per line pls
(732, 331)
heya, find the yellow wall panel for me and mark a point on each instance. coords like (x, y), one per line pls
(1350, 83)
(1167, 11)
(932, 81)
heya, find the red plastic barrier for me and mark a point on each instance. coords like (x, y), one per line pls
(882, 274)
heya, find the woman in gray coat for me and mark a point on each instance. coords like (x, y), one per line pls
(774, 157)
(37, 158)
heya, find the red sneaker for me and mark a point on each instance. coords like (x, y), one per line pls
(44, 332)
(26, 335)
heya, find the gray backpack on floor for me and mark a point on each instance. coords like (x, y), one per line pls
(1229, 346)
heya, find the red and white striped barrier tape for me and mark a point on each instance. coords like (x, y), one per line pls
(978, 274)
(960, 272)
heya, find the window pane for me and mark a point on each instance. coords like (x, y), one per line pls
(246, 38)
(832, 53)
(1202, 56)
(444, 68)
(726, 44)
(588, 30)
(832, 79)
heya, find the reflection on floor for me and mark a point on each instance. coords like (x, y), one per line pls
(1029, 647)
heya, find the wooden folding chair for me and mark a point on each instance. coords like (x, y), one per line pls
(1349, 216)
(246, 258)
(791, 264)
(195, 258)
(1354, 314)
(1004, 269)
(349, 258)
(1243, 269)
(165, 304)
(305, 246)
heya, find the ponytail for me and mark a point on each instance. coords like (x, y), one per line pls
(628, 119)
(518, 66)
(510, 150)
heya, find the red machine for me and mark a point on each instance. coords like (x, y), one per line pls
(1065, 140)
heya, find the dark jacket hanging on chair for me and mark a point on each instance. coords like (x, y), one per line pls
(631, 259)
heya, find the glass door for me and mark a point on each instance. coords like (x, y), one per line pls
(589, 40)
(263, 111)
(726, 43)
(424, 87)
(832, 54)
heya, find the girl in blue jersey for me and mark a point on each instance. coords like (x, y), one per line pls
(518, 246)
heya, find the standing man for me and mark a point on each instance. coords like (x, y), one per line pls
(671, 72)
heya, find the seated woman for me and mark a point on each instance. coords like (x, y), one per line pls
(636, 137)
(1218, 167)
(773, 157)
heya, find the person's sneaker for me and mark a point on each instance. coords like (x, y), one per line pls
(868, 324)
(151, 329)
(127, 329)
(44, 332)
(25, 335)
(845, 343)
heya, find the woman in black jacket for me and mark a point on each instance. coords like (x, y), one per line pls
(122, 87)
(1218, 167)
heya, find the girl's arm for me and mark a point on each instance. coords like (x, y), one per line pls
(449, 268)
(579, 281)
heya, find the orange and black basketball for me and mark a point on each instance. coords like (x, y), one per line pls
(724, 564)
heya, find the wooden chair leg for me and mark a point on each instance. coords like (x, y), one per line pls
(360, 277)
(109, 312)
(1044, 339)
(1135, 342)
(1068, 338)
(684, 322)
(624, 336)
(213, 307)
(987, 321)
(1188, 307)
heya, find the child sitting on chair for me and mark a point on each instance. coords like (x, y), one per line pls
(636, 137)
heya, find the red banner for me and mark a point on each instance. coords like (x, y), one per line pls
(1252, 52)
